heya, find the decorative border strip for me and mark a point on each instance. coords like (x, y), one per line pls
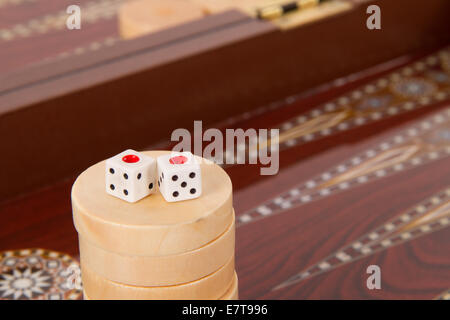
(340, 82)
(91, 12)
(398, 79)
(249, 114)
(4, 3)
(388, 235)
(399, 92)
(323, 185)
(93, 46)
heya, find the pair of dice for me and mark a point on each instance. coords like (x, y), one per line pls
(131, 176)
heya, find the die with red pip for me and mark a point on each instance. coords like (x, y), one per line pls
(179, 176)
(130, 175)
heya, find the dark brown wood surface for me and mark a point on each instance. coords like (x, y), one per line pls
(267, 251)
(145, 88)
(271, 250)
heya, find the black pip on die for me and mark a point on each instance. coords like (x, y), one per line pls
(179, 176)
(130, 175)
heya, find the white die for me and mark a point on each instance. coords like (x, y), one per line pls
(130, 175)
(179, 176)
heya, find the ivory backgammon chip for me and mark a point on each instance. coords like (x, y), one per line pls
(230, 294)
(154, 248)
(159, 270)
(151, 226)
(211, 287)
(233, 291)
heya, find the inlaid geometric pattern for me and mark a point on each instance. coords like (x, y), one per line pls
(92, 12)
(37, 274)
(419, 144)
(429, 216)
(93, 46)
(5, 3)
(417, 85)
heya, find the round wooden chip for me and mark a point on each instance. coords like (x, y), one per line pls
(38, 274)
(152, 226)
(137, 18)
(211, 287)
(231, 294)
(159, 270)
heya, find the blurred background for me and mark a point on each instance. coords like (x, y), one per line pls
(363, 114)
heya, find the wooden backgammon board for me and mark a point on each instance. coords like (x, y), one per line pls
(364, 140)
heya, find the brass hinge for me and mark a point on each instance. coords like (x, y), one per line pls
(296, 13)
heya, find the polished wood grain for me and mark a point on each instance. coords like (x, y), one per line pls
(415, 270)
(303, 236)
(22, 51)
(142, 73)
(271, 250)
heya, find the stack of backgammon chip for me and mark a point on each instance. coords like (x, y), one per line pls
(153, 249)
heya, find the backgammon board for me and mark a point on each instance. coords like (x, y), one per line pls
(364, 147)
